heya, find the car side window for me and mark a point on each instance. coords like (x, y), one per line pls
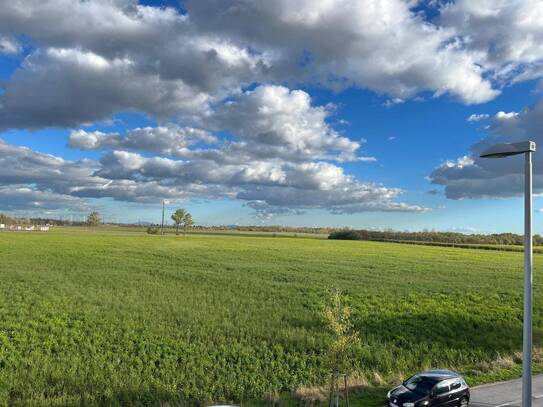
(441, 388)
(456, 385)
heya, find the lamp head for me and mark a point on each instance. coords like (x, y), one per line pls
(507, 149)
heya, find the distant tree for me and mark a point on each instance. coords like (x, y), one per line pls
(188, 222)
(6, 219)
(93, 219)
(181, 217)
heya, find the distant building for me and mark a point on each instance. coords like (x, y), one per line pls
(2, 226)
(44, 228)
(29, 227)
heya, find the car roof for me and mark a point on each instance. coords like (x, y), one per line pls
(440, 374)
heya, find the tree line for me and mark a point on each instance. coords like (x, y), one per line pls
(432, 236)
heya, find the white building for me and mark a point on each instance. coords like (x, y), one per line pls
(44, 228)
(2, 226)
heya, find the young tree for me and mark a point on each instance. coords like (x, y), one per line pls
(93, 219)
(339, 358)
(181, 217)
(188, 222)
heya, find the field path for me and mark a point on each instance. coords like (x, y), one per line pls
(506, 394)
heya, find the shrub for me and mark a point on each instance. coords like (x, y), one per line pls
(311, 395)
(346, 234)
(152, 230)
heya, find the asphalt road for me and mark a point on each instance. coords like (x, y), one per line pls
(506, 394)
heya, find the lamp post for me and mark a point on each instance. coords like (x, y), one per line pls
(505, 150)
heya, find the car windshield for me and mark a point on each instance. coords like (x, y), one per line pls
(420, 384)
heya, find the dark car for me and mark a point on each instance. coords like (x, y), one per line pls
(434, 388)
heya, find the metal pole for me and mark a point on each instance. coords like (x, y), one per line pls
(162, 226)
(527, 334)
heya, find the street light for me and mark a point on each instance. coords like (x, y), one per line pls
(505, 150)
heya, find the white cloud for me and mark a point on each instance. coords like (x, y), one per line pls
(9, 45)
(393, 101)
(124, 56)
(80, 87)
(478, 117)
(121, 56)
(474, 177)
(267, 123)
(380, 45)
(280, 186)
(116, 56)
(275, 122)
(169, 140)
(506, 35)
(24, 198)
(277, 187)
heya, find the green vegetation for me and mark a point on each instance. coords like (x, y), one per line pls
(109, 317)
(93, 219)
(502, 239)
(181, 217)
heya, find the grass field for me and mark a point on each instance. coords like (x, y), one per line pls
(124, 318)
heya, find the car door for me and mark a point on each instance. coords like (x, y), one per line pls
(457, 390)
(441, 394)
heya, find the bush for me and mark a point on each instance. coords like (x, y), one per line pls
(152, 230)
(346, 234)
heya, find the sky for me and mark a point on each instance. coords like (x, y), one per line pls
(305, 113)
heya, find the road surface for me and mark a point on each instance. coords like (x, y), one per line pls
(506, 394)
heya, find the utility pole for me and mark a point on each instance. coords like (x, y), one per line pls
(162, 226)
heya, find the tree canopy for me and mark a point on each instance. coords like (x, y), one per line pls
(94, 219)
(182, 218)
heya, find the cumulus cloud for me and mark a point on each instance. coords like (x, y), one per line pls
(381, 45)
(278, 141)
(474, 177)
(91, 60)
(167, 140)
(269, 187)
(278, 187)
(267, 123)
(21, 197)
(94, 59)
(22, 166)
(350, 197)
(52, 181)
(77, 86)
(506, 35)
(275, 122)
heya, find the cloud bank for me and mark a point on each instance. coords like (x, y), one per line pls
(226, 83)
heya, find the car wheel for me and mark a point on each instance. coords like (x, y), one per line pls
(463, 402)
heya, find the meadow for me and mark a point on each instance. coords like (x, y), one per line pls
(122, 318)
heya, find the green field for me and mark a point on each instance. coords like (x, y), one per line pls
(124, 318)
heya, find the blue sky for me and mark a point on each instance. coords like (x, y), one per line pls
(220, 113)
